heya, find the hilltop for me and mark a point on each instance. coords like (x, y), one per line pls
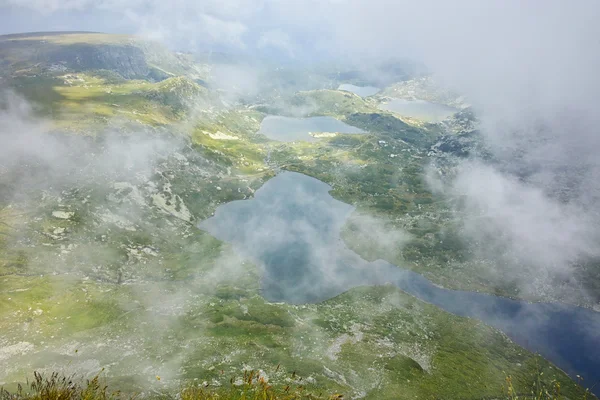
(128, 56)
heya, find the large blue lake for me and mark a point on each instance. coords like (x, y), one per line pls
(292, 227)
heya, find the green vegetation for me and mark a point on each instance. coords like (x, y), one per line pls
(128, 56)
(391, 127)
(329, 102)
(253, 385)
(84, 101)
(108, 269)
(373, 340)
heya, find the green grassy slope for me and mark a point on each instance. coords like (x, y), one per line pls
(129, 56)
(107, 269)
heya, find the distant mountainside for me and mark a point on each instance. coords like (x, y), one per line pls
(83, 80)
(130, 57)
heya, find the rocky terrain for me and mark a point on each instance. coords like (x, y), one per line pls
(102, 266)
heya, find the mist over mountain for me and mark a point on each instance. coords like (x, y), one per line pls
(313, 187)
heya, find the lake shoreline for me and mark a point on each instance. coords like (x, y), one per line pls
(295, 273)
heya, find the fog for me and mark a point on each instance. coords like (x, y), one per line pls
(530, 70)
(35, 155)
(108, 182)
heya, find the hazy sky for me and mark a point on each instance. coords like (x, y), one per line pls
(463, 35)
(231, 25)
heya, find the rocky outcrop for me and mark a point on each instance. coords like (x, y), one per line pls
(127, 60)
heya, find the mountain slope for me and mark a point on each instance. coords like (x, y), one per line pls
(103, 182)
(125, 55)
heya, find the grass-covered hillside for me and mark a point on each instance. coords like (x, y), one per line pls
(117, 149)
(128, 56)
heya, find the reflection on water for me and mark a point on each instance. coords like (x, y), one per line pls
(287, 129)
(420, 109)
(291, 228)
(362, 91)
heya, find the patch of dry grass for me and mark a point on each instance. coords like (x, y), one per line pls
(56, 387)
(252, 386)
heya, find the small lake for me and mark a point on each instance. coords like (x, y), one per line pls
(362, 91)
(420, 109)
(288, 129)
(292, 226)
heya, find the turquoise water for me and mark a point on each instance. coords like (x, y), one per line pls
(287, 129)
(291, 228)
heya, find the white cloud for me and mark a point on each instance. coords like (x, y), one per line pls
(229, 32)
(278, 40)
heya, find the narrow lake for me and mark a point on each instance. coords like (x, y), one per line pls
(362, 91)
(288, 129)
(292, 228)
(420, 109)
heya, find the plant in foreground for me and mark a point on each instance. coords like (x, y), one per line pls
(253, 386)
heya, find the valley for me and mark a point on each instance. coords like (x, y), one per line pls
(121, 155)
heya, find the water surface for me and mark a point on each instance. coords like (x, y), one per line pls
(288, 129)
(291, 228)
(362, 91)
(420, 109)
